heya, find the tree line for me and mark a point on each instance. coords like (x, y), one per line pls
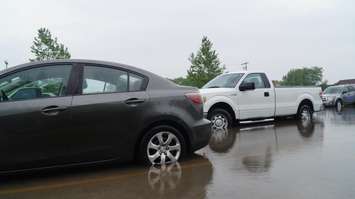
(204, 64)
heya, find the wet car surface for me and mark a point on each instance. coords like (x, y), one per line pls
(282, 159)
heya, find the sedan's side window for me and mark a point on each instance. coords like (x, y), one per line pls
(136, 83)
(256, 78)
(40, 82)
(104, 80)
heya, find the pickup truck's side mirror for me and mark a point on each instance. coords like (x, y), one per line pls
(247, 86)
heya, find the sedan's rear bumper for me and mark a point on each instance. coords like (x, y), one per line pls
(201, 134)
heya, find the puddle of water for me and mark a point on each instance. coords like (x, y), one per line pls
(284, 159)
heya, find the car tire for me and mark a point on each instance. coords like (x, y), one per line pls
(338, 105)
(220, 118)
(305, 112)
(146, 151)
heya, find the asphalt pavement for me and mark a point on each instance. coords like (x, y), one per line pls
(277, 159)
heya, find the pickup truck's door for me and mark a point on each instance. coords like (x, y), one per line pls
(257, 103)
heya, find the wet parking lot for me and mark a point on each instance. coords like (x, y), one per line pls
(282, 159)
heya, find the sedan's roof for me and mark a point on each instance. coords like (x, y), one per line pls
(119, 65)
(155, 80)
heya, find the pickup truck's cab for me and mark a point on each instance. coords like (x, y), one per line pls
(251, 96)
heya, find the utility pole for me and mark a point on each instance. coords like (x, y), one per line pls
(6, 64)
(245, 65)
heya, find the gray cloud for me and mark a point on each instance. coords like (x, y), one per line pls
(273, 35)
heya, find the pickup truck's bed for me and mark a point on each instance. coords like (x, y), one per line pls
(288, 99)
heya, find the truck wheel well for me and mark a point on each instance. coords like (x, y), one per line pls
(306, 102)
(224, 106)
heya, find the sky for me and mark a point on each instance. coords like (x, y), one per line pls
(159, 35)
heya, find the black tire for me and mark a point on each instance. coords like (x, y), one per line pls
(302, 108)
(142, 156)
(224, 113)
(337, 106)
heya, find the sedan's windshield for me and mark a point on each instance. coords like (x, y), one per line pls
(333, 90)
(224, 81)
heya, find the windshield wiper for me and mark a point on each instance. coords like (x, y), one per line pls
(214, 87)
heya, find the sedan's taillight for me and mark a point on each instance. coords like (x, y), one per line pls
(195, 98)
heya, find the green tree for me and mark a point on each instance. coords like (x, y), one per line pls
(45, 47)
(324, 84)
(205, 66)
(303, 77)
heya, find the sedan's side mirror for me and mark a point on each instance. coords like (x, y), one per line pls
(247, 86)
(344, 92)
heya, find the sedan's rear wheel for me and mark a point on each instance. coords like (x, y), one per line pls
(162, 145)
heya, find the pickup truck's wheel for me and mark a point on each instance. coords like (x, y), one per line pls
(161, 145)
(220, 118)
(305, 112)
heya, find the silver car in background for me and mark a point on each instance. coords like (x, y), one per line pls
(339, 95)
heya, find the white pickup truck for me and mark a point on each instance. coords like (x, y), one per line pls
(247, 95)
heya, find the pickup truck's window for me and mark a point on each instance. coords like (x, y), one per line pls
(46, 81)
(225, 81)
(104, 80)
(257, 78)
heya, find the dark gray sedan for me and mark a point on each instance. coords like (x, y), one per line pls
(73, 112)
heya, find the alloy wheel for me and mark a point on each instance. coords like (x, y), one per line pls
(219, 121)
(163, 148)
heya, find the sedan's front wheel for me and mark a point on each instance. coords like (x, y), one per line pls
(162, 145)
(338, 105)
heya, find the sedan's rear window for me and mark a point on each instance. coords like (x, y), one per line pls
(98, 79)
(136, 83)
(104, 80)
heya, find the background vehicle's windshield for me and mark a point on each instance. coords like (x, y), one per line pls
(333, 90)
(224, 81)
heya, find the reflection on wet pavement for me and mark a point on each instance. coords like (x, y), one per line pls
(284, 159)
(176, 181)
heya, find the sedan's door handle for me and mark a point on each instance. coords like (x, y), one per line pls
(134, 101)
(53, 110)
